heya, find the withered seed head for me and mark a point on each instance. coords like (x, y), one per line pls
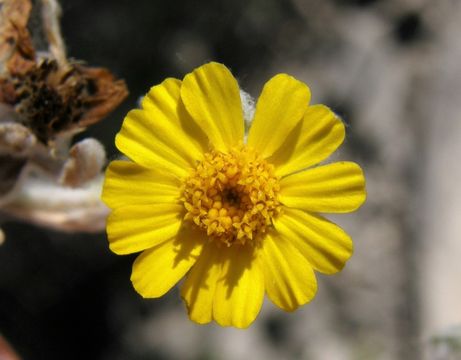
(50, 93)
(51, 101)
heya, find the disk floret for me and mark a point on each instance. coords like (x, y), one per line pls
(232, 196)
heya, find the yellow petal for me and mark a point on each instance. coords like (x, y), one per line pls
(176, 113)
(152, 137)
(289, 278)
(199, 288)
(127, 183)
(240, 289)
(315, 138)
(280, 107)
(337, 187)
(212, 97)
(158, 269)
(325, 245)
(137, 227)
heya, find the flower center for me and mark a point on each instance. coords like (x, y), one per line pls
(232, 197)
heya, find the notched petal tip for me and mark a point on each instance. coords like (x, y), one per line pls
(325, 245)
(314, 139)
(333, 188)
(358, 173)
(279, 108)
(134, 228)
(127, 183)
(289, 278)
(169, 87)
(211, 96)
(158, 269)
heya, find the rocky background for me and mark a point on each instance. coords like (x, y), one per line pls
(390, 68)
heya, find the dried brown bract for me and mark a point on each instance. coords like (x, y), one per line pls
(51, 94)
(52, 99)
(45, 99)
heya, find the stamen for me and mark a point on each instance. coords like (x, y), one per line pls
(232, 197)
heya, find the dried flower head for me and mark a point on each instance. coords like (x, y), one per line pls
(51, 94)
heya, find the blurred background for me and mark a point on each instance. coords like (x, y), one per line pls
(390, 68)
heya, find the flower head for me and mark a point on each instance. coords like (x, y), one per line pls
(236, 219)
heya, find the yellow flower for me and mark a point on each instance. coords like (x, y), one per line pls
(236, 218)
